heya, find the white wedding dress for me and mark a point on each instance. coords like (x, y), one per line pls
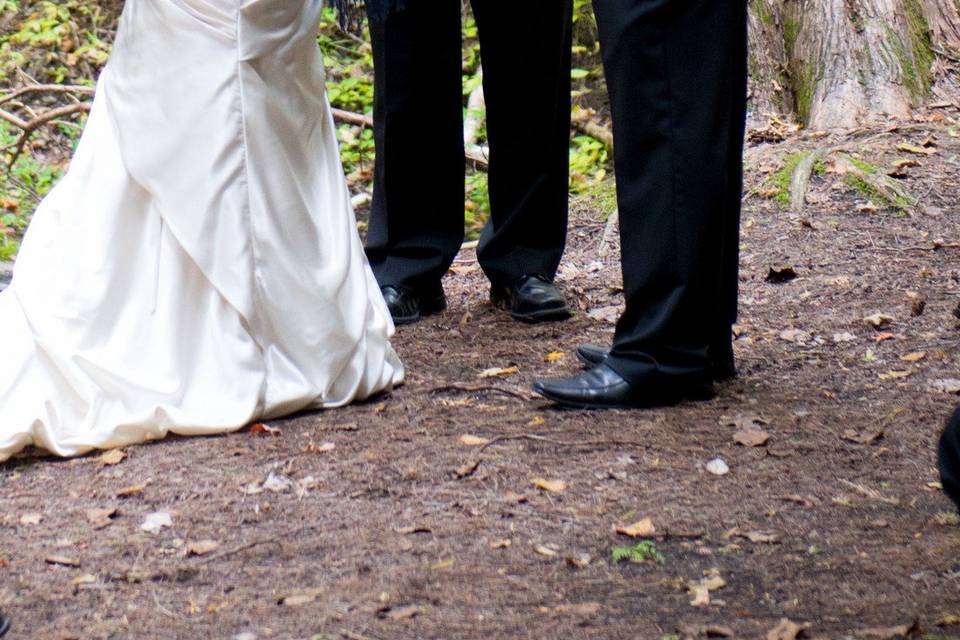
(198, 268)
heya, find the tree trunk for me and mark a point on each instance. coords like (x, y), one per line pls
(839, 63)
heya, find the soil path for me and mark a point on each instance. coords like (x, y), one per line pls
(403, 531)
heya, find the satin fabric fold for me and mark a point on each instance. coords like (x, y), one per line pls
(198, 268)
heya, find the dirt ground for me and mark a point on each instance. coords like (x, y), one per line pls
(402, 529)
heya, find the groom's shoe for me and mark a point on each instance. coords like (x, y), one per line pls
(722, 361)
(531, 298)
(4, 624)
(603, 388)
(407, 307)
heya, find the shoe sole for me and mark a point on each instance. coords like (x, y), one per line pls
(693, 395)
(436, 306)
(545, 315)
(718, 377)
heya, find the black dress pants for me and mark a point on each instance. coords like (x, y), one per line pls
(676, 71)
(416, 222)
(949, 458)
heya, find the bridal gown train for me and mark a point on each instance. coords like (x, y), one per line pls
(198, 268)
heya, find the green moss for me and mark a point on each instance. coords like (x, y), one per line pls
(869, 191)
(864, 166)
(915, 56)
(805, 88)
(780, 182)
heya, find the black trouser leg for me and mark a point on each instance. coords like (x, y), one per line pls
(949, 458)
(730, 260)
(672, 67)
(526, 51)
(416, 222)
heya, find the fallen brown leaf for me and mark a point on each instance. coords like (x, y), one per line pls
(62, 561)
(868, 437)
(641, 529)
(890, 633)
(498, 372)
(551, 486)
(787, 630)
(473, 441)
(751, 437)
(400, 613)
(261, 429)
(202, 548)
(101, 518)
(113, 457)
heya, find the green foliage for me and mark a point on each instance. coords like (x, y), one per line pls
(588, 163)
(643, 551)
(780, 182)
(68, 41)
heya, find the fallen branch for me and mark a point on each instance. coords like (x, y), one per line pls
(478, 389)
(800, 180)
(560, 443)
(585, 124)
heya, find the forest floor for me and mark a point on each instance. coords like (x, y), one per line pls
(382, 521)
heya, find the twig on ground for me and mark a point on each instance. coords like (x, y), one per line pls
(479, 389)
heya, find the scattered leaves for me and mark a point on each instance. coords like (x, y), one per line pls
(323, 447)
(641, 529)
(261, 429)
(890, 633)
(113, 457)
(154, 522)
(866, 437)
(555, 356)
(62, 561)
(499, 372)
(916, 356)
(202, 548)
(399, 613)
(879, 320)
(788, 630)
(551, 486)
(134, 490)
(751, 437)
(473, 441)
(718, 467)
(31, 518)
(947, 385)
(101, 518)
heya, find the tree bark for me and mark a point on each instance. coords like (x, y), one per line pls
(839, 63)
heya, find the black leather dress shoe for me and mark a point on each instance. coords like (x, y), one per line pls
(722, 362)
(4, 624)
(408, 307)
(604, 388)
(532, 299)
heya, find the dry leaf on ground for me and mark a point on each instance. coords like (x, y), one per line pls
(497, 372)
(641, 529)
(154, 522)
(788, 630)
(113, 457)
(101, 518)
(551, 486)
(751, 437)
(202, 547)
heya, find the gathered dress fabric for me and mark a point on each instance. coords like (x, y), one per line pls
(198, 268)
